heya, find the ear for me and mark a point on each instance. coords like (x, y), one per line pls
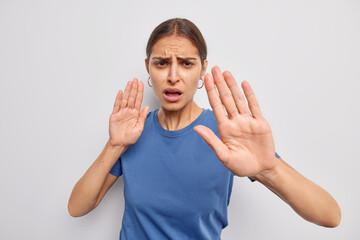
(203, 70)
(147, 65)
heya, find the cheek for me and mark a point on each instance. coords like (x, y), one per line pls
(158, 85)
(158, 73)
(191, 80)
(156, 89)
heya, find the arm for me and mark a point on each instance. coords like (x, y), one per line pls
(125, 127)
(308, 199)
(91, 188)
(247, 148)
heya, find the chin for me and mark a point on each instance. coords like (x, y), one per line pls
(174, 106)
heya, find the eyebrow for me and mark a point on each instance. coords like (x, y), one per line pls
(178, 58)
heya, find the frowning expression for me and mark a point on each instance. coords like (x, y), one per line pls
(175, 69)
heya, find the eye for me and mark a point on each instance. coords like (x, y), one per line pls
(160, 63)
(187, 64)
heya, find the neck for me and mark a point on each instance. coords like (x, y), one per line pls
(175, 120)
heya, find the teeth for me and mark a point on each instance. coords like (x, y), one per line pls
(172, 92)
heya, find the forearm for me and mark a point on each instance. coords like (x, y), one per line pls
(86, 191)
(308, 199)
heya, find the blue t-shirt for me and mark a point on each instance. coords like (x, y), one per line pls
(174, 185)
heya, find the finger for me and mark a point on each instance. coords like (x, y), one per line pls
(143, 115)
(224, 92)
(117, 103)
(220, 149)
(214, 99)
(139, 96)
(133, 92)
(252, 101)
(124, 100)
(236, 93)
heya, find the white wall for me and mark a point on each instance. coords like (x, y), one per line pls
(62, 63)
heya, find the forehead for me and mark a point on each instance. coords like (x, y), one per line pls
(174, 45)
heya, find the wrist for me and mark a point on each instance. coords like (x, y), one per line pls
(269, 175)
(115, 148)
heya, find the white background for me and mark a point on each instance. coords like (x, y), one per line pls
(62, 63)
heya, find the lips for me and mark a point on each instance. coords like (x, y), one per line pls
(172, 94)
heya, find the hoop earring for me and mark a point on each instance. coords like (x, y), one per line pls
(148, 81)
(202, 83)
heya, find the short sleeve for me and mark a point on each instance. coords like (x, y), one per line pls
(276, 155)
(116, 169)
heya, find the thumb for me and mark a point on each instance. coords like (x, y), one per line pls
(143, 115)
(213, 141)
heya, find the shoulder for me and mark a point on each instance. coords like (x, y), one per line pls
(209, 120)
(151, 114)
(209, 116)
(150, 120)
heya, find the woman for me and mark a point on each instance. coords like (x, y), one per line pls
(176, 185)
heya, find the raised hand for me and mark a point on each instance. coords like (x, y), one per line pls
(246, 146)
(126, 121)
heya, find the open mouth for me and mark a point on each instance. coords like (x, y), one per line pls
(172, 94)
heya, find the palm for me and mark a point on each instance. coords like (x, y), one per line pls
(126, 121)
(248, 142)
(124, 125)
(246, 146)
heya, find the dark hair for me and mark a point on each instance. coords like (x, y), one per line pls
(180, 27)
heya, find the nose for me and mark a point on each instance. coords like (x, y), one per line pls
(173, 74)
